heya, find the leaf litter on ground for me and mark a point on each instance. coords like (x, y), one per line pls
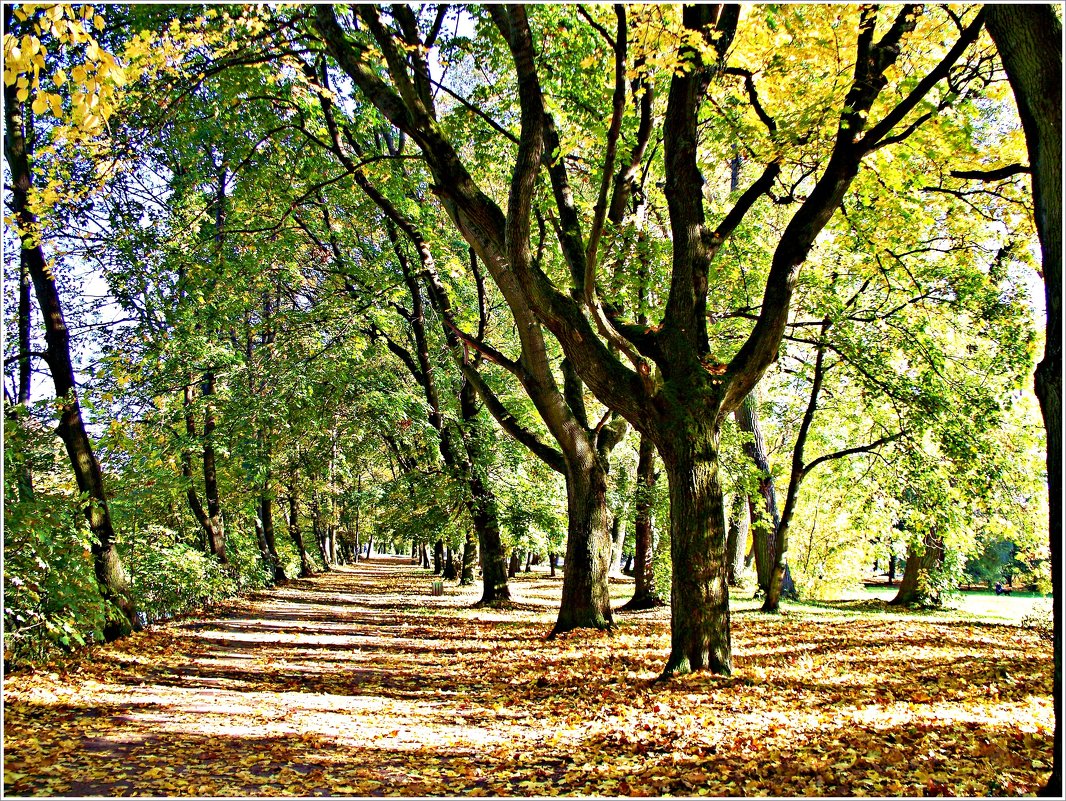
(359, 682)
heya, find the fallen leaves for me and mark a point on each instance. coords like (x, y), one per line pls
(356, 683)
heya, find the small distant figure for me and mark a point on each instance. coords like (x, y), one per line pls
(1001, 590)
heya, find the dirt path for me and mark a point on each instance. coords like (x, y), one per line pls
(359, 682)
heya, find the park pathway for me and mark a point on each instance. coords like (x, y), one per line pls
(324, 686)
(360, 682)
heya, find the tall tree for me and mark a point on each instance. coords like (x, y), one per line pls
(1029, 40)
(107, 562)
(683, 413)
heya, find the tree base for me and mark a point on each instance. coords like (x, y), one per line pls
(596, 622)
(640, 603)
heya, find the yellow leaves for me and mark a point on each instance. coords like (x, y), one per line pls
(425, 702)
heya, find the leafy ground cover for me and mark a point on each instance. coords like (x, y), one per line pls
(360, 682)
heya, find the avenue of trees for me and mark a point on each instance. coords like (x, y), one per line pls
(740, 295)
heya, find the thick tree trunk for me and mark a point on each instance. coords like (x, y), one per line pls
(645, 596)
(891, 570)
(107, 564)
(737, 538)
(913, 589)
(1029, 40)
(699, 608)
(470, 559)
(512, 564)
(553, 560)
(586, 601)
(450, 572)
(483, 511)
(423, 553)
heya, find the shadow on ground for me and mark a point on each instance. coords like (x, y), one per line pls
(359, 682)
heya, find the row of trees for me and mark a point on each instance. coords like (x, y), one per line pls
(473, 277)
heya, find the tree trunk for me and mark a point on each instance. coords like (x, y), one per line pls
(319, 530)
(891, 570)
(645, 596)
(529, 561)
(553, 560)
(266, 516)
(699, 597)
(470, 558)
(423, 556)
(216, 532)
(586, 601)
(1029, 40)
(512, 564)
(438, 557)
(297, 536)
(913, 588)
(107, 563)
(618, 538)
(765, 517)
(737, 539)
(450, 572)
(483, 511)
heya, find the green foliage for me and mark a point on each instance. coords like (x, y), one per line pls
(172, 577)
(51, 600)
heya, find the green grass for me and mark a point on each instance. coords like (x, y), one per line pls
(976, 605)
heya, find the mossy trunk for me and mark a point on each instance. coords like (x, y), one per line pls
(699, 608)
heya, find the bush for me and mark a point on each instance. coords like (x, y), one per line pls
(51, 601)
(1041, 621)
(172, 577)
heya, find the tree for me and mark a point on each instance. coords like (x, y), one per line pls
(19, 136)
(682, 414)
(1029, 39)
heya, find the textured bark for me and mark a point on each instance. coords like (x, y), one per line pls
(1029, 40)
(920, 563)
(737, 538)
(586, 601)
(645, 596)
(470, 559)
(483, 508)
(107, 563)
(765, 517)
(699, 608)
